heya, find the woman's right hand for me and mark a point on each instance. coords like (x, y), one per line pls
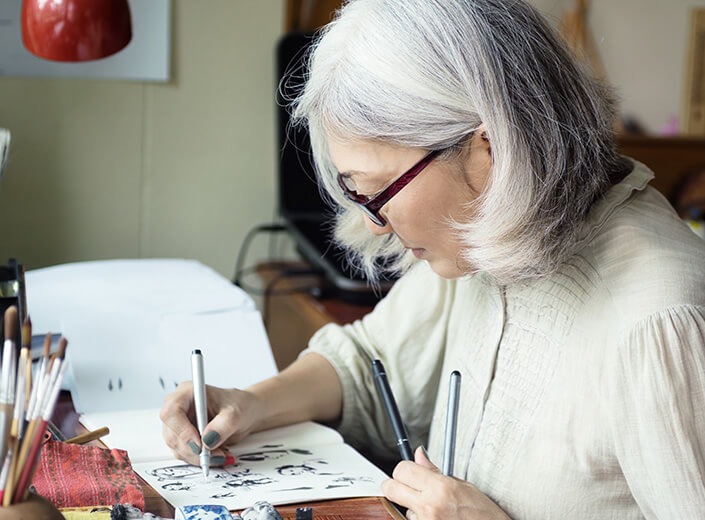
(233, 415)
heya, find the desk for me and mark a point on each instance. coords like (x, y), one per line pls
(372, 508)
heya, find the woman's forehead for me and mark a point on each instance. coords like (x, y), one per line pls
(358, 157)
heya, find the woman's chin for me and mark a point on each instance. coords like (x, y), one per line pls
(445, 268)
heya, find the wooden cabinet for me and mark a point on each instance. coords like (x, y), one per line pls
(669, 157)
(295, 307)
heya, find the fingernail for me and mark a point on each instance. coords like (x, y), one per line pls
(211, 438)
(218, 460)
(425, 453)
(194, 447)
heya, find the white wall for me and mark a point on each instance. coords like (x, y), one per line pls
(643, 44)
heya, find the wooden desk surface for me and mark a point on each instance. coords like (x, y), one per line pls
(371, 508)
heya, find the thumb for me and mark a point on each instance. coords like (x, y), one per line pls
(421, 458)
(221, 427)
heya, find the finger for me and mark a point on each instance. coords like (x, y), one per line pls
(401, 493)
(177, 429)
(178, 449)
(219, 429)
(222, 458)
(415, 475)
(421, 458)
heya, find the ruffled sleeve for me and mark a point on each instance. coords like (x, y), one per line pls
(407, 331)
(659, 423)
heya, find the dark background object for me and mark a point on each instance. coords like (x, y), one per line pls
(301, 205)
(12, 292)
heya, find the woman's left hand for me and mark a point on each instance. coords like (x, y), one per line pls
(429, 495)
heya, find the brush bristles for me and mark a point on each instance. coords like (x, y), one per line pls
(27, 332)
(11, 323)
(61, 352)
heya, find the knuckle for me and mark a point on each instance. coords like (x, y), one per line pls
(401, 470)
(165, 412)
(184, 436)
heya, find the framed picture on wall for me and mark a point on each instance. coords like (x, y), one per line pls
(145, 58)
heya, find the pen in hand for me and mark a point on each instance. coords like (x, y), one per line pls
(199, 399)
(451, 423)
(390, 405)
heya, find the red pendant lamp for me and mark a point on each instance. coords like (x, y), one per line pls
(75, 30)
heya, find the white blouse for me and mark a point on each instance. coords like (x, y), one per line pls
(583, 393)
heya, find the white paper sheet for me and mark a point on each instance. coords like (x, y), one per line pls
(279, 469)
(127, 361)
(141, 285)
(132, 324)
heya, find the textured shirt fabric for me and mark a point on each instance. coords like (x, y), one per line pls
(583, 393)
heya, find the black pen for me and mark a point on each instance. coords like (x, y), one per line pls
(390, 405)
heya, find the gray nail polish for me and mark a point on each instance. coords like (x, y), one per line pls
(218, 460)
(194, 447)
(211, 438)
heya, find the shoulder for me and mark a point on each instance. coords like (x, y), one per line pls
(646, 258)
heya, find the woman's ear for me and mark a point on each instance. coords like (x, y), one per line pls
(478, 162)
(485, 144)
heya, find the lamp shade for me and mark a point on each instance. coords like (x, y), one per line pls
(75, 30)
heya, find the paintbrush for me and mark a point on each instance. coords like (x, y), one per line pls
(7, 378)
(18, 419)
(22, 392)
(47, 409)
(41, 374)
(34, 416)
(89, 436)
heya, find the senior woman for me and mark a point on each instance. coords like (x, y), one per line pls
(460, 141)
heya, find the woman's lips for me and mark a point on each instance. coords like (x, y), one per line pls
(418, 252)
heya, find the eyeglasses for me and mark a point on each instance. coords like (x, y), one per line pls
(370, 205)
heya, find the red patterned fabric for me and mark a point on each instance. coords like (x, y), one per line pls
(70, 475)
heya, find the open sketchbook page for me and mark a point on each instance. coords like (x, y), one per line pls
(278, 472)
(139, 432)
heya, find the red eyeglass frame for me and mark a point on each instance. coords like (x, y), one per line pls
(372, 206)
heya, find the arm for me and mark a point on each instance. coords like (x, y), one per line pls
(658, 393)
(309, 389)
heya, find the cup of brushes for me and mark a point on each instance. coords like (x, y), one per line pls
(26, 407)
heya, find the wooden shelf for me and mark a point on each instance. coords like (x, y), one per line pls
(669, 157)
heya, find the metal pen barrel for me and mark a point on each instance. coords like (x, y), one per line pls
(451, 423)
(199, 399)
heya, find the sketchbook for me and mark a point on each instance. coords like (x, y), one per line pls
(298, 463)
